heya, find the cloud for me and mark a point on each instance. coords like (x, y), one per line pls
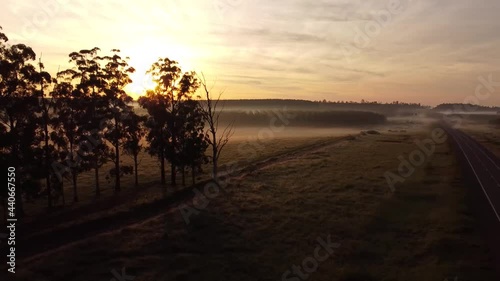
(430, 49)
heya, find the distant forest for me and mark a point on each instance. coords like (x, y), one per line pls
(389, 109)
(318, 119)
(459, 107)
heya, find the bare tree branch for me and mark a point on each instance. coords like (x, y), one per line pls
(212, 113)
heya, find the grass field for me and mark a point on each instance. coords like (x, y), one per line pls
(245, 149)
(271, 218)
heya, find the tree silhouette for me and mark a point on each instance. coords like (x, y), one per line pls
(183, 115)
(156, 105)
(44, 80)
(163, 105)
(60, 154)
(65, 120)
(117, 73)
(134, 131)
(166, 73)
(93, 121)
(18, 106)
(217, 140)
(193, 140)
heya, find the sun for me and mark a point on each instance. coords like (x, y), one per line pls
(141, 83)
(142, 59)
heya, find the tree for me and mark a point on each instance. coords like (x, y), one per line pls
(183, 120)
(117, 73)
(44, 79)
(94, 117)
(18, 106)
(66, 119)
(60, 154)
(134, 131)
(163, 103)
(156, 105)
(193, 139)
(217, 140)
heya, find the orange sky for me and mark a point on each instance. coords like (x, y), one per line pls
(409, 50)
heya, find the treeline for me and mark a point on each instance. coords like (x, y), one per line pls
(303, 118)
(388, 109)
(461, 107)
(54, 128)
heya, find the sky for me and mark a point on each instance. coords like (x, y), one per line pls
(419, 51)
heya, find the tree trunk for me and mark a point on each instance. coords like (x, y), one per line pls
(97, 187)
(174, 142)
(162, 158)
(183, 176)
(193, 174)
(62, 193)
(73, 174)
(214, 172)
(173, 176)
(49, 190)
(75, 190)
(117, 169)
(47, 160)
(162, 166)
(135, 171)
(117, 159)
(46, 144)
(214, 154)
(47, 165)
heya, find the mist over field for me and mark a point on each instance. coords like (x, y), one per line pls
(250, 133)
(298, 119)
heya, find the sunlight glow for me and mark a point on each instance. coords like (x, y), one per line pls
(142, 82)
(142, 59)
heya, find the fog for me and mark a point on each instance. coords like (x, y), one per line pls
(267, 133)
(469, 112)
